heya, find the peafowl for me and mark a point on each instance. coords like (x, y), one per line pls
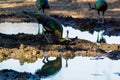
(49, 68)
(42, 4)
(100, 6)
(50, 24)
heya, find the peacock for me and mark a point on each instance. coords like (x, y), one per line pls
(100, 6)
(50, 67)
(50, 24)
(42, 4)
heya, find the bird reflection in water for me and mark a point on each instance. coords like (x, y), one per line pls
(100, 38)
(50, 67)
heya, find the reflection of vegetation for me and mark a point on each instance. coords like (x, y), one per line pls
(50, 67)
(117, 73)
(14, 75)
(114, 55)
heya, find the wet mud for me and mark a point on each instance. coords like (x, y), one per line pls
(27, 48)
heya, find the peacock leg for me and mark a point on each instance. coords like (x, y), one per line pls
(44, 59)
(102, 17)
(67, 57)
(43, 11)
(98, 17)
(38, 28)
(48, 40)
(67, 33)
(98, 37)
(66, 63)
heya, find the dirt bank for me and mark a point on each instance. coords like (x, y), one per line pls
(27, 48)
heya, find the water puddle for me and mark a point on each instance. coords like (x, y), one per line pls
(84, 68)
(79, 68)
(32, 28)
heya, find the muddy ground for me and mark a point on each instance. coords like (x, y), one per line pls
(69, 12)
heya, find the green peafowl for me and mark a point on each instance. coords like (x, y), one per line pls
(50, 24)
(49, 68)
(100, 6)
(42, 4)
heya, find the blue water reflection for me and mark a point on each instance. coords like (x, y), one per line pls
(32, 28)
(79, 68)
(15, 28)
(15, 65)
(85, 69)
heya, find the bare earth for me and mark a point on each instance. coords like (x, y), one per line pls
(70, 12)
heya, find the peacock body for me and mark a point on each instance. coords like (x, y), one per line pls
(100, 6)
(50, 24)
(42, 4)
(50, 67)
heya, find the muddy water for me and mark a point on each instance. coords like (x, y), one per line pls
(32, 28)
(84, 68)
